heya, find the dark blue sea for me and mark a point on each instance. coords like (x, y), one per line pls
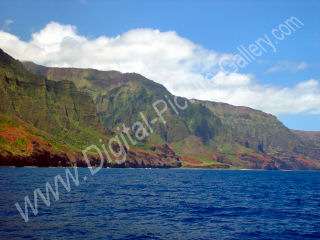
(163, 204)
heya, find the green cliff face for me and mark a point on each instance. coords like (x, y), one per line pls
(49, 123)
(119, 98)
(205, 134)
(55, 107)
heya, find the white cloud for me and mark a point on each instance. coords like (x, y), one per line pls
(8, 21)
(7, 24)
(288, 66)
(185, 68)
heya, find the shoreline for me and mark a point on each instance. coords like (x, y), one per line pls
(217, 169)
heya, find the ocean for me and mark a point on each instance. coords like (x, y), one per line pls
(161, 204)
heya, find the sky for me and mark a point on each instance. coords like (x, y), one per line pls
(260, 54)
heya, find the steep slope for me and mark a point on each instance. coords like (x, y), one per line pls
(205, 134)
(120, 98)
(266, 136)
(310, 137)
(56, 107)
(48, 123)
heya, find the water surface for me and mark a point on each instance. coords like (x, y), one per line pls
(164, 204)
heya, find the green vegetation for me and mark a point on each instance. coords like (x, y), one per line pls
(20, 142)
(75, 113)
(204, 127)
(58, 108)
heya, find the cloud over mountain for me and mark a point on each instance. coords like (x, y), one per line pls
(185, 68)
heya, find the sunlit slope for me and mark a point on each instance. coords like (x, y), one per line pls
(213, 133)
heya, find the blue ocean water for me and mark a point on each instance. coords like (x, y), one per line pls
(164, 204)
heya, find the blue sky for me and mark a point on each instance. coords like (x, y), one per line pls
(220, 26)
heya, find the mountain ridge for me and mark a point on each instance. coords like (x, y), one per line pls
(241, 118)
(48, 123)
(204, 135)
